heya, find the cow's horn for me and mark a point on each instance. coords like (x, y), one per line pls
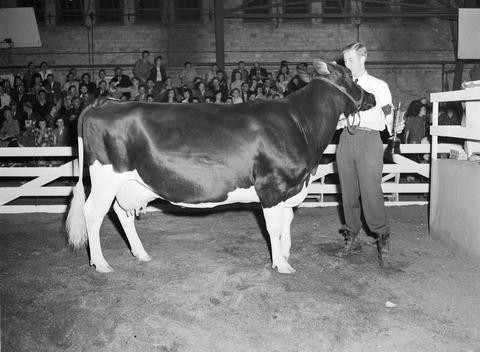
(321, 67)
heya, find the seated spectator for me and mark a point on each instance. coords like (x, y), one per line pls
(30, 115)
(244, 91)
(415, 126)
(29, 74)
(17, 113)
(150, 99)
(195, 100)
(171, 96)
(18, 81)
(161, 91)
(281, 83)
(61, 136)
(244, 75)
(236, 97)
(222, 77)
(236, 81)
(133, 89)
(20, 96)
(154, 91)
(188, 74)
(70, 81)
(218, 97)
(27, 138)
(216, 86)
(187, 95)
(285, 71)
(102, 76)
(210, 74)
(253, 86)
(44, 71)
(260, 93)
(258, 72)
(102, 90)
(252, 96)
(121, 81)
(87, 80)
(201, 92)
(10, 127)
(157, 72)
(52, 116)
(142, 93)
(229, 100)
(142, 67)
(5, 99)
(53, 88)
(43, 134)
(42, 106)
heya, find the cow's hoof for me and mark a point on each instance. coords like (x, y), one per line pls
(103, 268)
(144, 257)
(285, 268)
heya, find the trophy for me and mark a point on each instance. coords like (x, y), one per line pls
(393, 143)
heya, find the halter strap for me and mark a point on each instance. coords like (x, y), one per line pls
(351, 127)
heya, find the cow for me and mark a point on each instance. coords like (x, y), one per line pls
(205, 155)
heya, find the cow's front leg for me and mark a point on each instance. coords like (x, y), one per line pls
(128, 224)
(285, 239)
(274, 221)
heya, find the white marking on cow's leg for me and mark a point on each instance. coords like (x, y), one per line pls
(285, 239)
(274, 221)
(128, 224)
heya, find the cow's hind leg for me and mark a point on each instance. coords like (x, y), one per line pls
(274, 219)
(128, 224)
(285, 239)
(95, 209)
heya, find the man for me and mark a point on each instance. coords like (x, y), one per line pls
(142, 67)
(360, 159)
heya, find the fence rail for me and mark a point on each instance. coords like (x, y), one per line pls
(20, 181)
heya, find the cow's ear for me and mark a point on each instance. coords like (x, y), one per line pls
(321, 67)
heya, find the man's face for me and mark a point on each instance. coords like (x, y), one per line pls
(60, 123)
(354, 62)
(42, 124)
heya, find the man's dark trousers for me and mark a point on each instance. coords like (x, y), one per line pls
(360, 164)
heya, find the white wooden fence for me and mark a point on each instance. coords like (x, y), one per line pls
(17, 180)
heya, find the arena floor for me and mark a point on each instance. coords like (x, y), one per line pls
(210, 288)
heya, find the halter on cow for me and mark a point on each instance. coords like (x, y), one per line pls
(204, 155)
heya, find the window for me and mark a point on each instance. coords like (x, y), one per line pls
(256, 11)
(70, 12)
(418, 6)
(109, 11)
(149, 11)
(335, 7)
(38, 7)
(294, 7)
(375, 7)
(188, 10)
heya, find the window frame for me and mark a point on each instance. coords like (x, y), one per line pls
(38, 8)
(185, 10)
(100, 13)
(155, 18)
(60, 13)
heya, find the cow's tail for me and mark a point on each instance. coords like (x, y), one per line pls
(75, 222)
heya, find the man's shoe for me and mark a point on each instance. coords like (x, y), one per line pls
(352, 244)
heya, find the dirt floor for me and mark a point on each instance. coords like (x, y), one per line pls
(210, 288)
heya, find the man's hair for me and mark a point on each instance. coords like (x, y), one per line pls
(146, 52)
(359, 48)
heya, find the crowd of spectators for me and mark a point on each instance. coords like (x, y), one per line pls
(38, 110)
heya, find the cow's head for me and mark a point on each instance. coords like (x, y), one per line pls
(341, 78)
